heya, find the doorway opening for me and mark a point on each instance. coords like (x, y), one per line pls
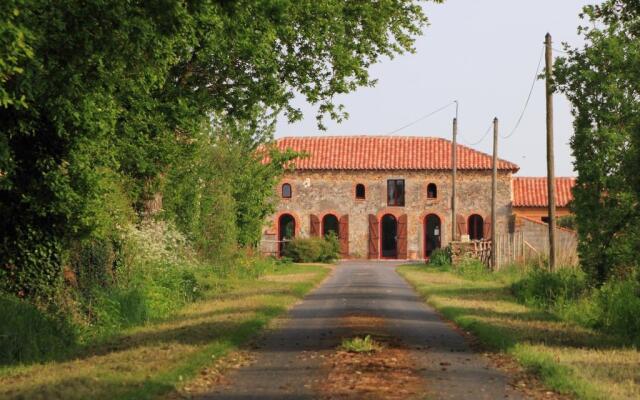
(432, 234)
(476, 227)
(286, 231)
(389, 236)
(330, 225)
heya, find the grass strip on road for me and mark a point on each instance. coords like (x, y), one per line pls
(569, 358)
(148, 361)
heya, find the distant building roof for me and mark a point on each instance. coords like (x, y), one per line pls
(385, 153)
(532, 191)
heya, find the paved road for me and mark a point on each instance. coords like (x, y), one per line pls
(289, 360)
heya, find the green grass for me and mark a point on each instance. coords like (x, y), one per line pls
(148, 361)
(360, 345)
(568, 357)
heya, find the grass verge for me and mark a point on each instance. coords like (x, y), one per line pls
(147, 361)
(569, 358)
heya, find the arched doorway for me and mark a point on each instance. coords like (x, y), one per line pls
(286, 231)
(330, 224)
(432, 234)
(476, 227)
(389, 236)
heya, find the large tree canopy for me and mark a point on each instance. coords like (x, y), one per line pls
(602, 81)
(96, 88)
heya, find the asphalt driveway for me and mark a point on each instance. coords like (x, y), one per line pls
(291, 360)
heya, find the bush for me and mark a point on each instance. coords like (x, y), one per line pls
(568, 222)
(313, 249)
(619, 308)
(473, 269)
(27, 333)
(546, 289)
(440, 257)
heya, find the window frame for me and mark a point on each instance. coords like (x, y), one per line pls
(364, 191)
(282, 189)
(396, 198)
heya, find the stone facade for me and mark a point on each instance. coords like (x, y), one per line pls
(333, 192)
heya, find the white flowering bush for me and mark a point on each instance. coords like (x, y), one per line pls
(156, 241)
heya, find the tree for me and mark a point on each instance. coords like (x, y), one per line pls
(602, 82)
(123, 86)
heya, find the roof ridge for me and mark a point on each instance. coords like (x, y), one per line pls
(387, 152)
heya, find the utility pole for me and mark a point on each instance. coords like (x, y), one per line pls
(494, 195)
(551, 180)
(454, 171)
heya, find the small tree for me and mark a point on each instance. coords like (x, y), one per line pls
(602, 82)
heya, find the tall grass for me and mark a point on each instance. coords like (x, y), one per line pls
(613, 308)
(151, 276)
(27, 333)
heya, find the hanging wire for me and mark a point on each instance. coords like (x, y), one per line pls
(481, 139)
(526, 104)
(423, 117)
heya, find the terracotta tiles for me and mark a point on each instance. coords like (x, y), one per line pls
(532, 191)
(385, 153)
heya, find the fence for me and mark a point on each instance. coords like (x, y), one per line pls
(271, 247)
(524, 247)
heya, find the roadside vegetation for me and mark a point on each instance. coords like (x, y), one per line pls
(580, 340)
(161, 356)
(138, 165)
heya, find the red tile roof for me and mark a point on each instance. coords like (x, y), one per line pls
(385, 153)
(532, 191)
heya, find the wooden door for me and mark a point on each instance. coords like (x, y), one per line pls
(461, 223)
(374, 237)
(402, 237)
(343, 235)
(314, 224)
(486, 230)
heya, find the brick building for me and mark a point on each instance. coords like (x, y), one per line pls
(386, 197)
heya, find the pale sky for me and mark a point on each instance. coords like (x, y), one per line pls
(483, 54)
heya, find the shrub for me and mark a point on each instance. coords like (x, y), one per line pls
(440, 257)
(619, 307)
(27, 333)
(568, 222)
(313, 249)
(546, 289)
(472, 269)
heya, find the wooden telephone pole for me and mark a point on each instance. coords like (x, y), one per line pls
(494, 195)
(454, 171)
(551, 181)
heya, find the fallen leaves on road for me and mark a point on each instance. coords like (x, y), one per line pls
(389, 373)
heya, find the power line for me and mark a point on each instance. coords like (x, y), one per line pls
(423, 117)
(526, 104)
(482, 138)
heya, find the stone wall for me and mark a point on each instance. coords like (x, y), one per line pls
(333, 192)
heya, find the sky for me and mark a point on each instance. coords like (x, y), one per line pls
(483, 54)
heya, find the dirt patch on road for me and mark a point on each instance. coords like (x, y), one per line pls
(387, 373)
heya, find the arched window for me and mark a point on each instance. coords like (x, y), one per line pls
(286, 191)
(360, 191)
(432, 191)
(476, 227)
